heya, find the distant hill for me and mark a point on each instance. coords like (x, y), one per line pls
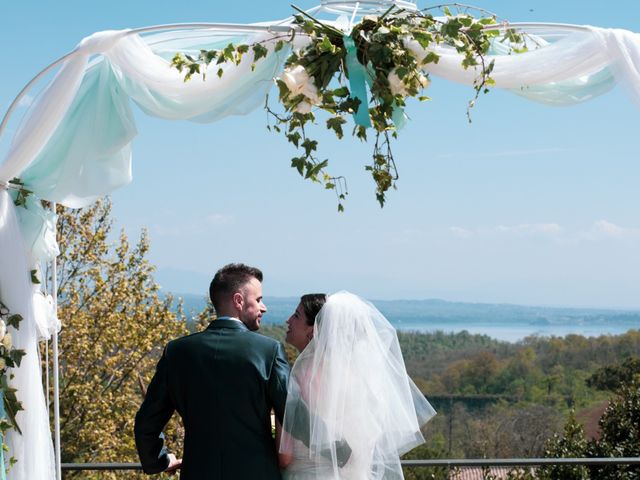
(278, 309)
(409, 313)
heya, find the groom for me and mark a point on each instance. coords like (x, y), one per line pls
(223, 382)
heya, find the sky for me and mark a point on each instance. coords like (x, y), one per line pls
(528, 204)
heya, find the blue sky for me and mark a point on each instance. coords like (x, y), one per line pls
(528, 204)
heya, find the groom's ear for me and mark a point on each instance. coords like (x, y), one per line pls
(238, 300)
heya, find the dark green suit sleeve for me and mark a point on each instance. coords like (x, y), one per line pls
(155, 411)
(278, 380)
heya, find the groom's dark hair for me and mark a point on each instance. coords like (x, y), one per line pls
(311, 304)
(229, 279)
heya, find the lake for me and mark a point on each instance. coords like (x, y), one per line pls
(506, 322)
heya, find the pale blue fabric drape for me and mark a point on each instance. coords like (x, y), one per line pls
(89, 154)
(558, 93)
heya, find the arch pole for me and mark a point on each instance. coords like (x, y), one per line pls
(56, 378)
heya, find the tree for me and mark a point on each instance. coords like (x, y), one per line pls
(612, 377)
(620, 435)
(571, 444)
(114, 325)
(620, 427)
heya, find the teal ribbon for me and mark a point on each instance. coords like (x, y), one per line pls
(399, 117)
(358, 77)
(3, 473)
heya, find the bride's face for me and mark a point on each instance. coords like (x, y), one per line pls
(299, 333)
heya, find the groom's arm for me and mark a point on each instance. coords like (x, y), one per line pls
(155, 411)
(278, 380)
(304, 420)
(278, 391)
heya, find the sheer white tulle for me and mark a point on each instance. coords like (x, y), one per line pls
(33, 449)
(353, 379)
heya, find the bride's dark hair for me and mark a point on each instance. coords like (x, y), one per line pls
(311, 304)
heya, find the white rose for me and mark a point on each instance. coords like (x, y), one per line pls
(396, 85)
(414, 48)
(424, 81)
(295, 79)
(310, 91)
(3, 329)
(299, 82)
(3, 364)
(7, 342)
(304, 107)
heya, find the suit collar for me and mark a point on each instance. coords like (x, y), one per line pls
(223, 323)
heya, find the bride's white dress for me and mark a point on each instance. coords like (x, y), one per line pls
(353, 379)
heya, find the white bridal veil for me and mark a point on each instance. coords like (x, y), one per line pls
(353, 379)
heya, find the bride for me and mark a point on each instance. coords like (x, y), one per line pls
(362, 410)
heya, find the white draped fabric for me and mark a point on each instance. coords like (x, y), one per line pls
(33, 448)
(74, 144)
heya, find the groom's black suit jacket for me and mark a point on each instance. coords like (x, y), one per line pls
(223, 382)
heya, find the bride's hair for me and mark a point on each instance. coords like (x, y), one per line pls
(311, 304)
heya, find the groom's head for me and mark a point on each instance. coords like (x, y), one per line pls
(236, 291)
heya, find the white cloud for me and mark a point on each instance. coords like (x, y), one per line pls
(550, 229)
(460, 232)
(521, 230)
(605, 229)
(610, 229)
(599, 230)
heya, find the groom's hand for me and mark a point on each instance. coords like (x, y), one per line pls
(174, 464)
(343, 452)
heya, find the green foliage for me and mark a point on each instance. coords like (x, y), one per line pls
(619, 435)
(10, 357)
(612, 377)
(620, 428)
(570, 444)
(21, 193)
(501, 400)
(389, 51)
(114, 325)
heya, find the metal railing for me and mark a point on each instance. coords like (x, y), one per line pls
(446, 463)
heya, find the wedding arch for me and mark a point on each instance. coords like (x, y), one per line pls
(74, 144)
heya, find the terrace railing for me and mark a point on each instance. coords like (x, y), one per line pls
(444, 463)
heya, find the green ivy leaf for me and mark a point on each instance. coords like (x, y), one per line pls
(259, 52)
(341, 92)
(294, 138)
(14, 320)
(309, 146)
(313, 172)
(335, 124)
(325, 46)
(298, 163)
(16, 356)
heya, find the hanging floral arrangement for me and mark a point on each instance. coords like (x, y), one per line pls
(366, 74)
